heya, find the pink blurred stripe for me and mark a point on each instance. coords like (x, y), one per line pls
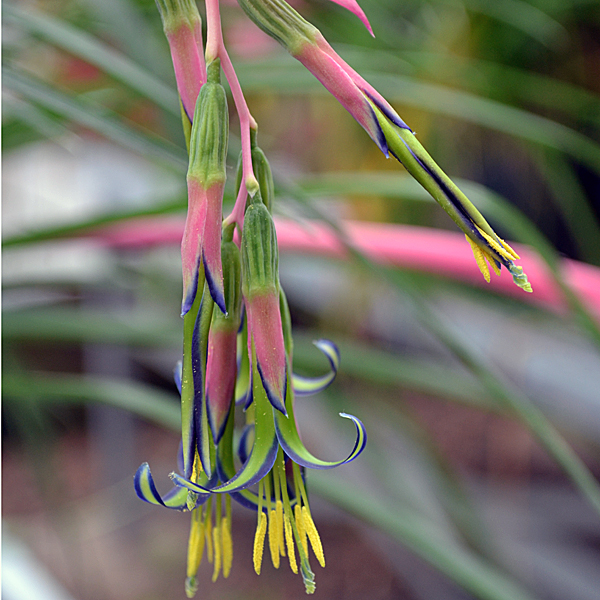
(430, 250)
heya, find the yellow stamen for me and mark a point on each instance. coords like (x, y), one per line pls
(479, 259)
(300, 527)
(227, 546)
(279, 518)
(217, 545)
(289, 540)
(313, 535)
(493, 264)
(500, 246)
(259, 542)
(273, 538)
(208, 534)
(196, 543)
(195, 552)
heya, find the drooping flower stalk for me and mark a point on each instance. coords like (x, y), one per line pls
(215, 48)
(237, 342)
(306, 43)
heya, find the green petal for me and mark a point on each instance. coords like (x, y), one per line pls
(146, 490)
(305, 386)
(287, 434)
(264, 450)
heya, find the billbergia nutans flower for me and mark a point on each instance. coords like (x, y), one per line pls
(385, 127)
(236, 370)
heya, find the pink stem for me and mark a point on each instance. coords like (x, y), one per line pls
(215, 48)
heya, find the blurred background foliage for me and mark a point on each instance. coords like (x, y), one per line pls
(468, 487)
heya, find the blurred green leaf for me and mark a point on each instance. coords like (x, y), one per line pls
(139, 399)
(88, 114)
(91, 49)
(423, 537)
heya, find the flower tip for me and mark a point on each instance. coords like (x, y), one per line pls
(353, 7)
(191, 587)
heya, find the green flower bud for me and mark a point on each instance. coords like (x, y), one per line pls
(210, 131)
(260, 255)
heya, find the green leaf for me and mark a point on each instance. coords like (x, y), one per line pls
(88, 114)
(91, 49)
(143, 400)
(421, 536)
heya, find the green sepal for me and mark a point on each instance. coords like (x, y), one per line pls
(210, 133)
(260, 254)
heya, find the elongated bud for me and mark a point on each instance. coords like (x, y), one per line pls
(210, 132)
(260, 287)
(183, 27)
(206, 181)
(260, 254)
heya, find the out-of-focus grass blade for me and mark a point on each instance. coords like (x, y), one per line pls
(90, 49)
(363, 362)
(95, 117)
(383, 368)
(35, 118)
(502, 391)
(422, 537)
(124, 22)
(142, 400)
(523, 16)
(503, 83)
(574, 205)
(438, 99)
(69, 325)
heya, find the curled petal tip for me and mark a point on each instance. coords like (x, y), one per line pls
(145, 490)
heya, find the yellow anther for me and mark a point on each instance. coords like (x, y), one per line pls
(195, 544)
(279, 517)
(226, 546)
(313, 535)
(300, 527)
(479, 259)
(493, 264)
(259, 542)
(274, 538)
(208, 534)
(500, 246)
(289, 541)
(216, 534)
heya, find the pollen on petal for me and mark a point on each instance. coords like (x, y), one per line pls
(313, 535)
(259, 542)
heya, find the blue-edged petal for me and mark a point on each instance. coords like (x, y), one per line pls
(177, 374)
(264, 450)
(175, 499)
(289, 439)
(305, 386)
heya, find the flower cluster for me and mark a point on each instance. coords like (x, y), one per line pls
(238, 350)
